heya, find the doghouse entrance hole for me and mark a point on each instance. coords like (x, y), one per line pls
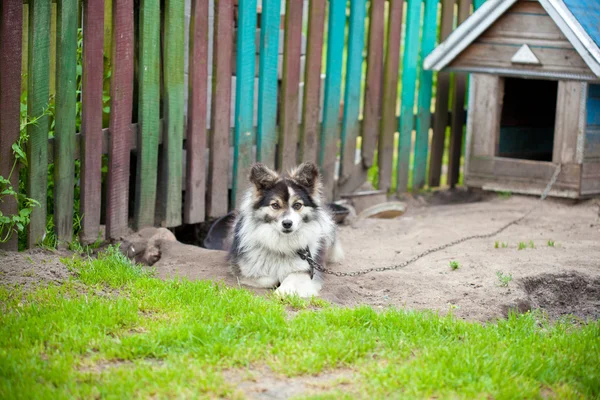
(528, 117)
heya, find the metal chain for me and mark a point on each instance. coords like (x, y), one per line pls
(314, 264)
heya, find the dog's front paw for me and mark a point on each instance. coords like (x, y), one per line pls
(300, 285)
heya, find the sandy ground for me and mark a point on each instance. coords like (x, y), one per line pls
(561, 279)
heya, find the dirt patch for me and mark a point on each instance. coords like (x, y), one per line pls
(565, 293)
(473, 291)
(262, 383)
(31, 268)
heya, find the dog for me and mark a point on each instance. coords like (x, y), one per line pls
(281, 215)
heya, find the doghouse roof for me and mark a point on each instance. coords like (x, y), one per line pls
(578, 20)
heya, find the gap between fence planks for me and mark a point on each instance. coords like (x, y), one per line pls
(121, 92)
(350, 122)
(194, 205)
(217, 191)
(290, 91)
(148, 114)
(11, 25)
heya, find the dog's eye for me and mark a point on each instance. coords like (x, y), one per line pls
(297, 206)
(275, 206)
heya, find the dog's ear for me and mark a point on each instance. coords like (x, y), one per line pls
(262, 177)
(307, 175)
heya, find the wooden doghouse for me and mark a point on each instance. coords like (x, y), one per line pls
(534, 96)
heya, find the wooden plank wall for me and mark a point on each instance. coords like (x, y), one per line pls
(184, 170)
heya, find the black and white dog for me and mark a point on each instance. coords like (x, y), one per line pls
(281, 215)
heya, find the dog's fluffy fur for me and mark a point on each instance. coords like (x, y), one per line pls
(279, 216)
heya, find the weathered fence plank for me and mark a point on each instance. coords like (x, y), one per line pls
(290, 92)
(385, 149)
(266, 138)
(195, 190)
(425, 91)
(148, 114)
(174, 97)
(333, 86)
(374, 80)
(440, 122)
(121, 91)
(409, 83)
(350, 123)
(311, 110)
(91, 119)
(217, 196)
(38, 90)
(244, 98)
(458, 109)
(11, 24)
(64, 162)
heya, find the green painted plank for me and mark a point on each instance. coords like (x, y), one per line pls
(478, 3)
(38, 90)
(64, 148)
(148, 113)
(350, 123)
(267, 84)
(174, 112)
(333, 86)
(409, 82)
(425, 92)
(244, 98)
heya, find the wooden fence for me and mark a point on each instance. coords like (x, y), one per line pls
(134, 52)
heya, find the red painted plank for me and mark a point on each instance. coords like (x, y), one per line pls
(11, 25)
(91, 119)
(390, 96)
(288, 135)
(440, 121)
(218, 172)
(458, 109)
(309, 140)
(374, 79)
(196, 135)
(121, 92)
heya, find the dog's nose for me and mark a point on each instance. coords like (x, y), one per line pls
(287, 224)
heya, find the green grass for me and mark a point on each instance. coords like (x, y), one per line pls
(522, 246)
(551, 243)
(503, 279)
(454, 265)
(117, 332)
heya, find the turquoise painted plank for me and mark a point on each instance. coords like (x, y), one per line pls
(333, 86)
(350, 125)
(267, 84)
(244, 98)
(428, 42)
(478, 3)
(409, 82)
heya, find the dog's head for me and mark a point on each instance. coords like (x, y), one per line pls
(289, 201)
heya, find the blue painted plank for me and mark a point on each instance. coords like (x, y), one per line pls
(409, 82)
(593, 105)
(350, 126)
(478, 3)
(333, 86)
(244, 98)
(587, 13)
(267, 84)
(425, 93)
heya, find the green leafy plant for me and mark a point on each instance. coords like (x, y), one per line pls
(551, 243)
(504, 245)
(504, 279)
(522, 246)
(496, 244)
(531, 244)
(505, 194)
(14, 223)
(454, 265)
